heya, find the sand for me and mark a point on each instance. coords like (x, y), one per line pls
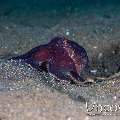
(27, 95)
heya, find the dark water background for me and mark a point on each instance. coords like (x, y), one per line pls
(49, 5)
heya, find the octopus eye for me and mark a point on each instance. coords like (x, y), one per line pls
(44, 66)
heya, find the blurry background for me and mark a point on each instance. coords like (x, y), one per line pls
(27, 94)
(94, 24)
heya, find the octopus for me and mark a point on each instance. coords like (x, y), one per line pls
(61, 57)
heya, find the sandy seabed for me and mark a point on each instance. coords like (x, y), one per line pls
(21, 99)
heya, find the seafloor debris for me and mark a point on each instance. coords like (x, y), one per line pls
(109, 84)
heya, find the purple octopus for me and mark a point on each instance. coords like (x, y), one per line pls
(62, 58)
